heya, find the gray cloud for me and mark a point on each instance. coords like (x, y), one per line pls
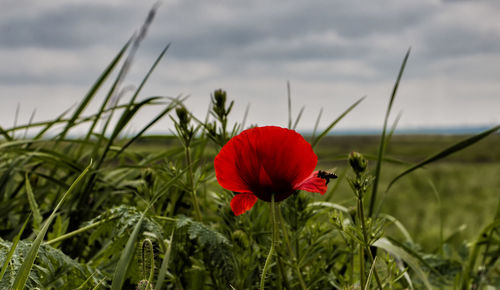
(70, 26)
(326, 48)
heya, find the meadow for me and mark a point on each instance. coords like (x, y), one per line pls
(112, 209)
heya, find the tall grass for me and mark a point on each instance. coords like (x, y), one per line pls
(158, 219)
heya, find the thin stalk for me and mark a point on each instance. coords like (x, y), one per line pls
(282, 272)
(474, 252)
(78, 231)
(372, 270)
(290, 250)
(352, 265)
(165, 218)
(271, 250)
(191, 184)
(361, 265)
(365, 237)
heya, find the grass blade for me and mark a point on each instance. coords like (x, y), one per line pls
(138, 135)
(325, 204)
(394, 250)
(37, 217)
(399, 226)
(130, 110)
(93, 90)
(5, 134)
(164, 264)
(129, 251)
(393, 128)
(448, 151)
(370, 274)
(383, 139)
(332, 124)
(126, 257)
(25, 269)
(49, 125)
(316, 124)
(244, 120)
(298, 118)
(13, 248)
(289, 97)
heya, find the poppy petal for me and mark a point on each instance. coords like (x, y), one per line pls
(286, 156)
(313, 184)
(229, 166)
(242, 202)
(265, 161)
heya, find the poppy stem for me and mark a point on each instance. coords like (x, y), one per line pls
(271, 250)
(290, 250)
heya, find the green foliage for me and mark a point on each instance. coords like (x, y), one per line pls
(150, 215)
(215, 248)
(53, 270)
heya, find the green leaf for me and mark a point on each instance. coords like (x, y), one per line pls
(396, 251)
(444, 153)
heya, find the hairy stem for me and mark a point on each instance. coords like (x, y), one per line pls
(271, 250)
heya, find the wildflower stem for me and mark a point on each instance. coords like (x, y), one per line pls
(365, 238)
(271, 250)
(361, 265)
(290, 250)
(191, 184)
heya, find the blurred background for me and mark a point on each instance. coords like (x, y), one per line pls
(332, 52)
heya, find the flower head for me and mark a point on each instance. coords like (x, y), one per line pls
(265, 161)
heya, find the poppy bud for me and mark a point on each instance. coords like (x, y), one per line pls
(183, 127)
(220, 98)
(358, 162)
(183, 116)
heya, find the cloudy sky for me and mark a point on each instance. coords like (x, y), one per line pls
(332, 52)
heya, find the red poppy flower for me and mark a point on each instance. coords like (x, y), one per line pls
(265, 161)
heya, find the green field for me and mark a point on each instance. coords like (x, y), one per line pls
(111, 209)
(459, 193)
(467, 184)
